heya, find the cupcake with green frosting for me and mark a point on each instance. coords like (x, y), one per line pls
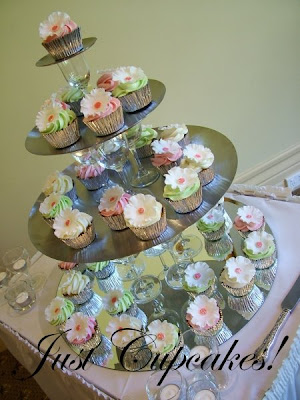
(143, 144)
(117, 302)
(198, 278)
(53, 205)
(260, 248)
(212, 225)
(101, 269)
(183, 189)
(72, 96)
(133, 89)
(59, 310)
(58, 124)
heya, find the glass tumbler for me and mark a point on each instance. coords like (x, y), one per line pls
(173, 386)
(17, 260)
(20, 295)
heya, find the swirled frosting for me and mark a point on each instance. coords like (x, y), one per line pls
(175, 132)
(58, 183)
(88, 171)
(56, 25)
(249, 218)
(74, 284)
(71, 94)
(165, 152)
(53, 117)
(106, 82)
(238, 272)
(198, 277)
(147, 135)
(71, 223)
(67, 265)
(259, 245)
(203, 313)
(54, 204)
(212, 221)
(97, 266)
(161, 336)
(197, 156)
(113, 201)
(129, 327)
(181, 183)
(117, 301)
(130, 79)
(142, 211)
(59, 310)
(98, 104)
(80, 328)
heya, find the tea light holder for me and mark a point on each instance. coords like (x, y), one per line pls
(173, 386)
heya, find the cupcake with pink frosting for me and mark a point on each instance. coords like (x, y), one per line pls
(111, 207)
(249, 219)
(82, 331)
(92, 176)
(66, 266)
(103, 114)
(167, 155)
(61, 36)
(106, 82)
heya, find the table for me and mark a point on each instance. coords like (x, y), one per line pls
(21, 334)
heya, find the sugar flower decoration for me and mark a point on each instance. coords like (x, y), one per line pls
(259, 242)
(199, 154)
(238, 272)
(95, 103)
(142, 210)
(59, 310)
(54, 25)
(249, 218)
(71, 223)
(214, 216)
(161, 336)
(81, 328)
(111, 299)
(48, 114)
(203, 312)
(50, 202)
(173, 132)
(199, 275)
(110, 199)
(181, 178)
(165, 146)
(129, 327)
(128, 74)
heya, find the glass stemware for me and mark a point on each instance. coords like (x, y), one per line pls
(129, 268)
(76, 71)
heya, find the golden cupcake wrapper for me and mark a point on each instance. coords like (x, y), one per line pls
(152, 231)
(83, 240)
(64, 137)
(239, 292)
(145, 151)
(65, 46)
(211, 331)
(215, 235)
(189, 204)
(107, 125)
(264, 262)
(206, 176)
(136, 100)
(115, 222)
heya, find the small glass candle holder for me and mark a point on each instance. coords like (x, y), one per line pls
(203, 389)
(17, 260)
(173, 386)
(4, 279)
(20, 295)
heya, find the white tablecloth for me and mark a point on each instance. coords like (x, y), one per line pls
(282, 217)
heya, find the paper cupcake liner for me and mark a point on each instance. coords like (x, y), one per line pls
(107, 125)
(105, 272)
(247, 304)
(115, 222)
(83, 240)
(75, 106)
(102, 353)
(92, 307)
(264, 278)
(64, 137)
(152, 231)
(49, 221)
(219, 249)
(136, 357)
(72, 194)
(94, 341)
(113, 282)
(246, 234)
(206, 176)
(145, 151)
(264, 262)
(65, 46)
(215, 235)
(163, 169)
(134, 311)
(85, 295)
(95, 182)
(136, 100)
(189, 204)
(239, 292)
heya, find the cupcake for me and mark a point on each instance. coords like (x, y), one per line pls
(66, 266)
(59, 310)
(117, 302)
(111, 207)
(198, 278)
(106, 82)
(143, 144)
(249, 219)
(77, 287)
(103, 113)
(61, 184)
(199, 158)
(72, 96)
(82, 331)
(183, 189)
(145, 216)
(212, 225)
(133, 89)
(260, 249)
(167, 155)
(174, 132)
(61, 36)
(101, 269)
(74, 228)
(53, 205)
(58, 124)
(92, 176)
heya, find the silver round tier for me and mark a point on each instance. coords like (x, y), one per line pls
(36, 144)
(110, 244)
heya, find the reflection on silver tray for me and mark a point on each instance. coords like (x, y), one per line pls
(247, 304)
(92, 307)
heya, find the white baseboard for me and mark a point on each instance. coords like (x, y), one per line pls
(273, 171)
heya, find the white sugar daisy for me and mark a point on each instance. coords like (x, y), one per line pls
(181, 178)
(95, 103)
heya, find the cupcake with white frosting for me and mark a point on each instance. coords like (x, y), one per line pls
(249, 219)
(145, 216)
(260, 248)
(77, 287)
(238, 275)
(111, 207)
(92, 176)
(143, 144)
(167, 155)
(212, 225)
(53, 205)
(129, 329)
(201, 159)
(198, 278)
(59, 310)
(183, 189)
(74, 228)
(61, 184)
(174, 132)
(103, 114)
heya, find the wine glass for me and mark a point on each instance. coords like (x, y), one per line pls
(129, 268)
(76, 71)
(142, 177)
(185, 247)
